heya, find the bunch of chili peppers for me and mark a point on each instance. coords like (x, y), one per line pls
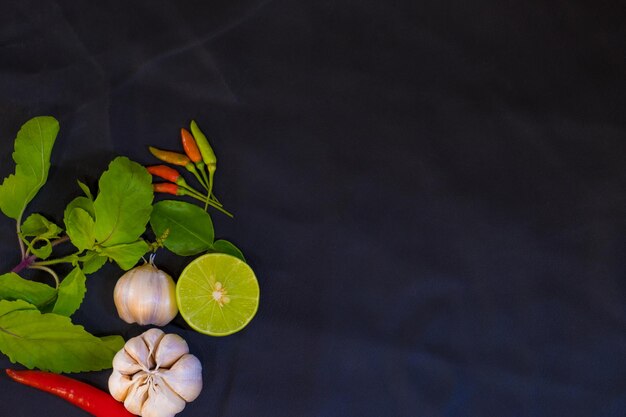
(199, 159)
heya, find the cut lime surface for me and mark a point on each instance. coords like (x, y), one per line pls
(217, 294)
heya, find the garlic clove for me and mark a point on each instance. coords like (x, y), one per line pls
(185, 377)
(119, 384)
(170, 349)
(138, 350)
(125, 363)
(152, 339)
(138, 394)
(162, 401)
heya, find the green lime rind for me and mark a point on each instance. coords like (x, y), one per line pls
(217, 294)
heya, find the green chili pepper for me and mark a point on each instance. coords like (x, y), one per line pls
(208, 156)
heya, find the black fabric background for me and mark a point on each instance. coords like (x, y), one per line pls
(433, 194)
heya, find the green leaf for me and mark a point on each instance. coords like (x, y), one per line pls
(80, 228)
(190, 227)
(71, 293)
(224, 246)
(113, 342)
(92, 262)
(85, 189)
(39, 226)
(14, 287)
(50, 341)
(39, 250)
(124, 202)
(79, 202)
(17, 305)
(127, 254)
(33, 146)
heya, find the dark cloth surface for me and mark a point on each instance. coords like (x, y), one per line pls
(432, 194)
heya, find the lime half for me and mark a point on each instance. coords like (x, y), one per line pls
(217, 294)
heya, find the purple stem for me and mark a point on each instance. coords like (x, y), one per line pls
(26, 262)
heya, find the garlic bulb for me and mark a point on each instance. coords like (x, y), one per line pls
(155, 375)
(146, 295)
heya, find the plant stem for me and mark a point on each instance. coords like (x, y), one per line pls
(60, 240)
(214, 198)
(48, 270)
(206, 180)
(19, 239)
(209, 202)
(192, 168)
(65, 259)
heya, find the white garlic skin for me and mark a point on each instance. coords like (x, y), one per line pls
(146, 295)
(154, 375)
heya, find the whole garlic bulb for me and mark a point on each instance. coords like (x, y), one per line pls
(146, 295)
(155, 375)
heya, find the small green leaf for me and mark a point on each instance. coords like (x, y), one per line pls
(39, 226)
(224, 246)
(79, 202)
(92, 262)
(190, 227)
(14, 287)
(71, 293)
(85, 189)
(124, 202)
(33, 146)
(80, 228)
(127, 254)
(49, 341)
(42, 248)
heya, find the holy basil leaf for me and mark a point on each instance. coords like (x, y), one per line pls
(224, 246)
(79, 202)
(92, 262)
(40, 247)
(80, 228)
(50, 341)
(71, 293)
(85, 189)
(14, 287)
(39, 226)
(124, 203)
(113, 342)
(33, 146)
(190, 227)
(127, 254)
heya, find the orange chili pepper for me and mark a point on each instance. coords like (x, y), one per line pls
(190, 146)
(174, 158)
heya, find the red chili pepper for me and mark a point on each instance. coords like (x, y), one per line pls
(174, 158)
(167, 188)
(90, 399)
(190, 146)
(164, 172)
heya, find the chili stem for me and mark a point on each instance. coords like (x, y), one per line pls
(192, 168)
(48, 270)
(215, 200)
(206, 180)
(209, 202)
(190, 190)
